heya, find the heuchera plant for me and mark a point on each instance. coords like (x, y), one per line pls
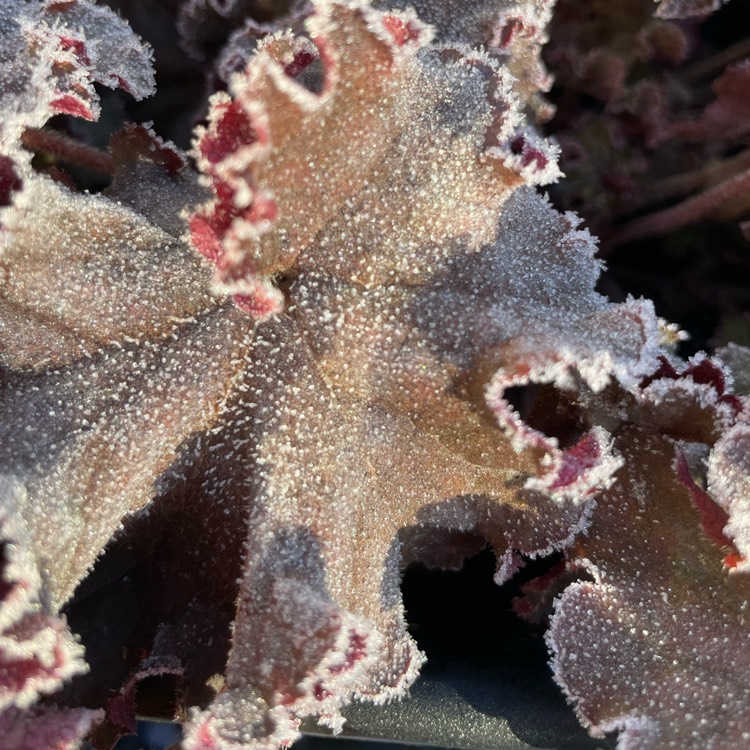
(276, 371)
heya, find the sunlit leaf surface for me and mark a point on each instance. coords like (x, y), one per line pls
(239, 399)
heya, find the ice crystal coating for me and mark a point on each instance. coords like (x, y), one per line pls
(403, 107)
(687, 8)
(729, 485)
(52, 315)
(399, 282)
(351, 424)
(51, 54)
(37, 651)
(736, 359)
(93, 392)
(512, 31)
(275, 459)
(656, 646)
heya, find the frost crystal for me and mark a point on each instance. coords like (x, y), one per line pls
(729, 484)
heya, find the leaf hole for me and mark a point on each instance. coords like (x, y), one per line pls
(548, 410)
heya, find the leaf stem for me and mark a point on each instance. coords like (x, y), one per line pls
(725, 201)
(64, 148)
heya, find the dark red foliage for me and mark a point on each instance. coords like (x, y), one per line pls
(10, 182)
(233, 129)
(77, 46)
(713, 517)
(71, 105)
(401, 30)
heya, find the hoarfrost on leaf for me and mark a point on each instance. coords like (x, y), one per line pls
(656, 646)
(37, 651)
(397, 139)
(687, 8)
(48, 65)
(729, 484)
(275, 445)
(402, 291)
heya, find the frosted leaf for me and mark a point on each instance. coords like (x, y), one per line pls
(729, 485)
(411, 271)
(314, 666)
(384, 234)
(693, 401)
(513, 31)
(115, 276)
(433, 126)
(687, 8)
(89, 440)
(51, 54)
(37, 651)
(736, 359)
(539, 322)
(657, 647)
(106, 325)
(46, 727)
(354, 448)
